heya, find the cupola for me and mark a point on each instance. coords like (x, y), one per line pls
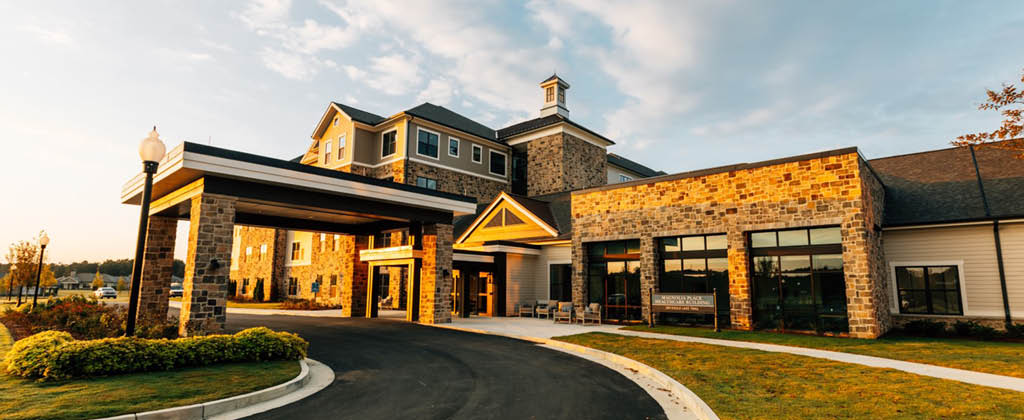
(554, 96)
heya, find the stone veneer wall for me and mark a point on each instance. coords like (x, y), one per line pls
(817, 191)
(562, 162)
(483, 190)
(435, 275)
(211, 229)
(157, 268)
(255, 266)
(342, 261)
(394, 170)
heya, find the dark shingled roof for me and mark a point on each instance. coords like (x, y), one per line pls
(553, 77)
(542, 122)
(941, 186)
(632, 166)
(360, 115)
(451, 119)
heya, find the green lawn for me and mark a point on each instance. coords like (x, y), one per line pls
(998, 357)
(110, 396)
(752, 384)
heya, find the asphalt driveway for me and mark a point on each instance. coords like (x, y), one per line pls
(390, 369)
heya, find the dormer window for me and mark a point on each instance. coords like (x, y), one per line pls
(549, 94)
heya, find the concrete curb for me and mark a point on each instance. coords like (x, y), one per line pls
(225, 406)
(692, 402)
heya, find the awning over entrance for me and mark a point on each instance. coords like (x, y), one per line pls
(283, 194)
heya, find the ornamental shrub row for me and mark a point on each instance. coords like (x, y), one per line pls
(55, 355)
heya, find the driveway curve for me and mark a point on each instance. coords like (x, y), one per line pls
(390, 369)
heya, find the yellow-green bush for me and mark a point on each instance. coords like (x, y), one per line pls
(111, 356)
(31, 356)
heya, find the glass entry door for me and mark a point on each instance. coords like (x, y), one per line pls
(619, 290)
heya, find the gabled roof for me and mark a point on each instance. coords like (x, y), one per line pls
(451, 119)
(632, 166)
(360, 115)
(941, 186)
(537, 210)
(538, 123)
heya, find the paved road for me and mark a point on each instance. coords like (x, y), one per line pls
(389, 369)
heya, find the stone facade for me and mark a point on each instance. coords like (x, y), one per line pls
(334, 256)
(483, 190)
(562, 162)
(157, 268)
(208, 264)
(436, 275)
(813, 190)
(394, 170)
(258, 265)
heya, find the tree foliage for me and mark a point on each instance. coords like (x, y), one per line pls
(23, 257)
(97, 280)
(121, 284)
(1010, 103)
(117, 268)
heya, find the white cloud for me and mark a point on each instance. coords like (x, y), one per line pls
(289, 65)
(438, 92)
(51, 36)
(263, 14)
(353, 72)
(394, 74)
(184, 55)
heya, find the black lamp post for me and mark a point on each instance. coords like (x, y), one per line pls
(151, 151)
(43, 242)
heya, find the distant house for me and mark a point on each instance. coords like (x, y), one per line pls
(83, 281)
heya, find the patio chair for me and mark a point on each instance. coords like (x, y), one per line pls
(542, 310)
(590, 313)
(526, 309)
(563, 313)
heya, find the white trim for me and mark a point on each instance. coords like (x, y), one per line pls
(895, 306)
(942, 225)
(382, 155)
(328, 153)
(342, 144)
(458, 147)
(489, 158)
(474, 147)
(556, 262)
(504, 196)
(392, 160)
(418, 129)
(561, 127)
(461, 171)
(504, 248)
(248, 170)
(458, 256)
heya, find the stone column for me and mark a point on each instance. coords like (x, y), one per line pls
(436, 275)
(157, 268)
(355, 277)
(208, 264)
(579, 279)
(648, 272)
(740, 305)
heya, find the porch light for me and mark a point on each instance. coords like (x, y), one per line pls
(152, 149)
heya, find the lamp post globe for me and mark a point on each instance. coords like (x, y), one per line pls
(43, 242)
(151, 150)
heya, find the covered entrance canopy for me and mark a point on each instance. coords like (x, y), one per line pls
(217, 188)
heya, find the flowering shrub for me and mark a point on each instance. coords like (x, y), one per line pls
(84, 318)
(306, 305)
(52, 358)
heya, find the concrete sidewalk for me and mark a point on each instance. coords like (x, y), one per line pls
(540, 328)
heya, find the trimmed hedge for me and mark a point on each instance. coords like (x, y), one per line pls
(54, 355)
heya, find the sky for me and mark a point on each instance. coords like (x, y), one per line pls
(677, 85)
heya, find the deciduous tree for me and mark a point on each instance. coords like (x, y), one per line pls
(121, 285)
(97, 281)
(23, 258)
(1010, 103)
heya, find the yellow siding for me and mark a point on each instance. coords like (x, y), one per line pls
(333, 131)
(974, 245)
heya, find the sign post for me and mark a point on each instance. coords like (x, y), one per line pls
(684, 303)
(714, 292)
(650, 306)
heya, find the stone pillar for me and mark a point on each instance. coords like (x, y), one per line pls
(436, 275)
(208, 264)
(740, 305)
(648, 272)
(355, 277)
(579, 273)
(157, 268)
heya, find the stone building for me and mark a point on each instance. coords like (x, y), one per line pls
(829, 242)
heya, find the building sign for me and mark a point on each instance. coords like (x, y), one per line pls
(683, 303)
(315, 287)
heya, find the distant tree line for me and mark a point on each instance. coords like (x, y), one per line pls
(116, 268)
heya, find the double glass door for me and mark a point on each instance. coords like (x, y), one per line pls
(616, 286)
(473, 293)
(800, 293)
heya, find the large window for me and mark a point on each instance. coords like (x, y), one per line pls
(427, 183)
(929, 290)
(388, 143)
(560, 282)
(498, 163)
(426, 143)
(798, 280)
(613, 279)
(696, 264)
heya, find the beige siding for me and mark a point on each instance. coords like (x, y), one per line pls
(1012, 237)
(521, 281)
(615, 171)
(974, 246)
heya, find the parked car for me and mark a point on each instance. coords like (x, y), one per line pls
(176, 290)
(105, 292)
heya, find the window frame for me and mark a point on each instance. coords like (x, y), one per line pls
(296, 247)
(327, 151)
(426, 184)
(625, 178)
(554, 263)
(458, 146)
(490, 158)
(472, 153)
(394, 146)
(960, 281)
(342, 143)
(421, 129)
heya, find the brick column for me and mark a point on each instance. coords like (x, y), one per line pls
(212, 219)
(740, 305)
(648, 272)
(354, 278)
(157, 268)
(436, 275)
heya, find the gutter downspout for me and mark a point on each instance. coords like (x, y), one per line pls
(999, 244)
